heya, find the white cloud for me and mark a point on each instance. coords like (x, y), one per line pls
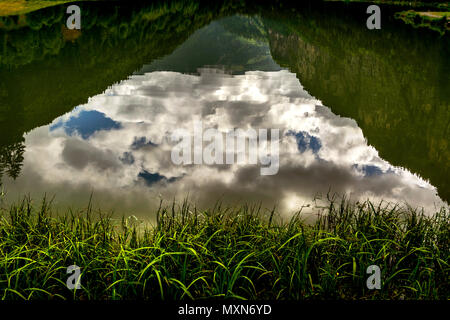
(154, 104)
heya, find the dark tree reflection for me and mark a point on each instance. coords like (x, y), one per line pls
(11, 159)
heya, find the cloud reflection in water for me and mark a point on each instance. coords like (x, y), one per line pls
(122, 151)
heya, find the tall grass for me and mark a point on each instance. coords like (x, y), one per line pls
(238, 253)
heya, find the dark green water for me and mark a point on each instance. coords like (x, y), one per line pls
(364, 113)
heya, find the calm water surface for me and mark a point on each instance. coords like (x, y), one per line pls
(362, 114)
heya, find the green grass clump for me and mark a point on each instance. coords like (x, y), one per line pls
(238, 253)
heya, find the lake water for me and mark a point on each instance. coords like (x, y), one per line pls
(361, 113)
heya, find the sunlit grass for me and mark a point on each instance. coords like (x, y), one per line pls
(437, 21)
(237, 253)
(435, 14)
(411, 3)
(17, 7)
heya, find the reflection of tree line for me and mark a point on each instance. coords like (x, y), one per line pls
(394, 83)
(11, 158)
(38, 35)
(42, 75)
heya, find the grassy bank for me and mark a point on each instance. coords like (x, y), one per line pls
(17, 7)
(238, 253)
(442, 4)
(437, 21)
(428, 14)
